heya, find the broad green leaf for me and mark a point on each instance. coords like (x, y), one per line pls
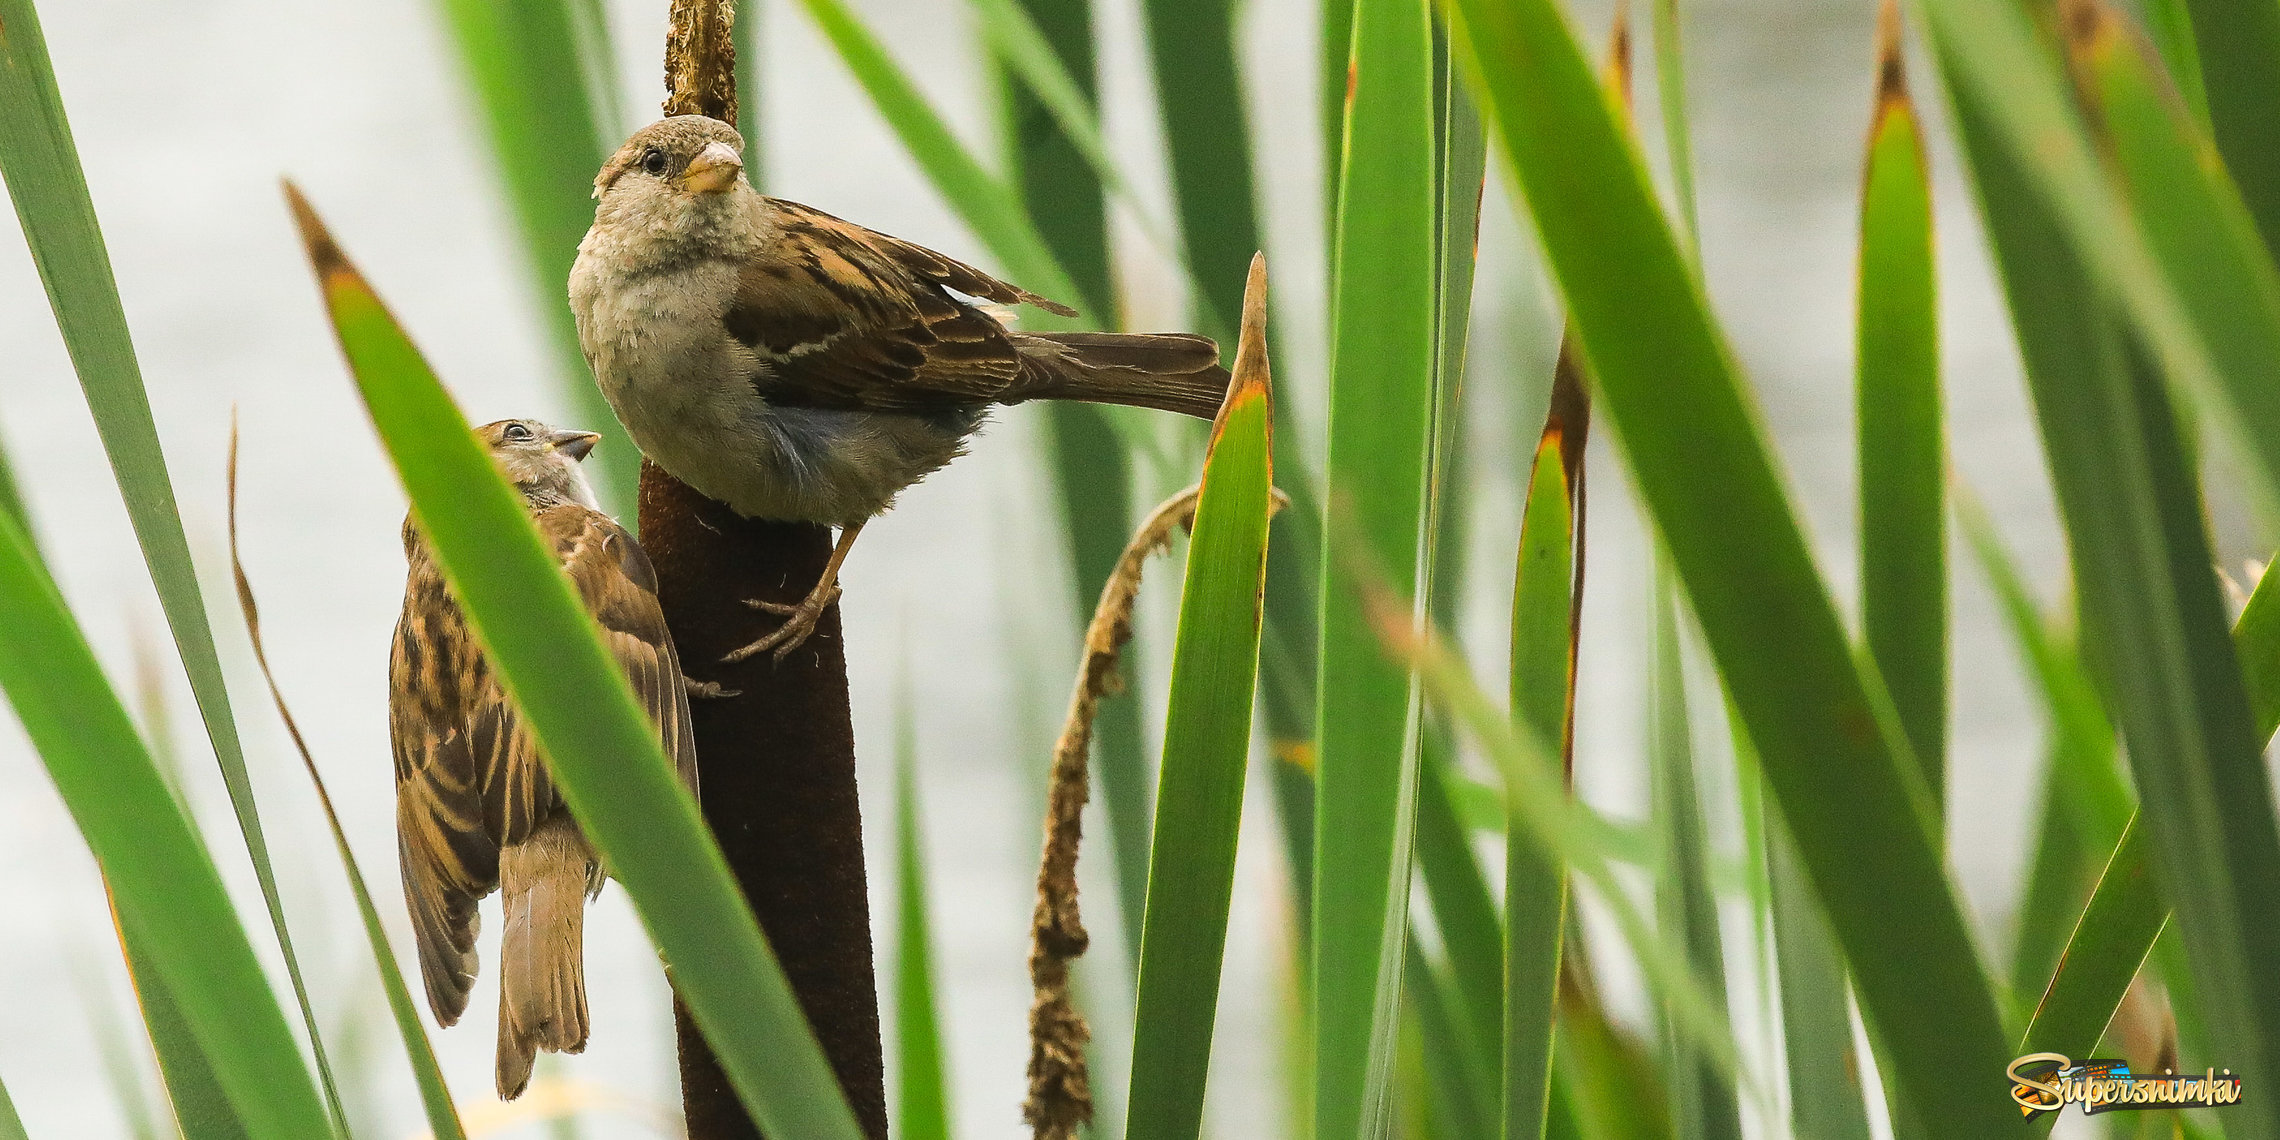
(1383, 325)
(1903, 450)
(1702, 1102)
(2236, 47)
(1207, 735)
(527, 62)
(171, 902)
(2150, 605)
(201, 1107)
(1542, 691)
(124, 1063)
(41, 166)
(921, 1092)
(602, 751)
(1708, 482)
(443, 1118)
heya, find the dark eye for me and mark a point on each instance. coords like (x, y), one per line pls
(518, 433)
(653, 160)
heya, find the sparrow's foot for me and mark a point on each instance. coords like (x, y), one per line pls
(708, 690)
(799, 623)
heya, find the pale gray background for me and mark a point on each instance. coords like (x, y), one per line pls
(187, 113)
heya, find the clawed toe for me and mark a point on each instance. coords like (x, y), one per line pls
(799, 623)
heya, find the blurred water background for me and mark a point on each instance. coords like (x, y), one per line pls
(187, 113)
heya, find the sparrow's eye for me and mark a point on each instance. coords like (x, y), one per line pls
(518, 433)
(653, 160)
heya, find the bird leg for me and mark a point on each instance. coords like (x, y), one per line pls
(800, 619)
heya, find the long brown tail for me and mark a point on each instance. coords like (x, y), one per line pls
(542, 967)
(1171, 372)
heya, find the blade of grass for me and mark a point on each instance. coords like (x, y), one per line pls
(201, 1108)
(2236, 44)
(921, 1092)
(1903, 461)
(1702, 1103)
(170, 896)
(2172, 242)
(1381, 387)
(123, 1063)
(1705, 475)
(1559, 827)
(1542, 690)
(435, 1096)
(1670, 90)
(40, 164)
(2142, 559)
(1207, 733)
(527, 70)
(1464, 910)
(11, 1125)
(1613, 1085)
(2170, 22)
(1462, 1098)
(1062, 166)
(1199, 93)
(1827, 1098)
(2117, 930)
(603, 752)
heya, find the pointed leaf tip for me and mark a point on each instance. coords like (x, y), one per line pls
(1250, 379)
(1891, 68)
(324, 253)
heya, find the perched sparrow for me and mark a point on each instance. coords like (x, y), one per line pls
(475, 807)
(796, 366)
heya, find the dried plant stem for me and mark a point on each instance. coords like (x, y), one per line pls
(700, 59)
(1060, 1089)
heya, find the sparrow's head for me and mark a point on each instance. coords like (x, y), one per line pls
(682, 158)
(542, 462)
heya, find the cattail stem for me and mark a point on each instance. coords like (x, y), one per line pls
(776, 762)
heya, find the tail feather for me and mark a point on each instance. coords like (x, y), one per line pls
(1171, 372)
(542, 969)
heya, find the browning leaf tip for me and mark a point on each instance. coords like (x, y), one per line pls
(324, 253)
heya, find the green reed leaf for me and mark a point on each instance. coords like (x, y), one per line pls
(1207, 736)
(1707, 479)
(170, 898)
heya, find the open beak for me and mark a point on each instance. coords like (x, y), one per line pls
(713, 170)
(575, 444)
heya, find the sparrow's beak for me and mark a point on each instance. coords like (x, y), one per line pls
(575, 444)
(713, 170)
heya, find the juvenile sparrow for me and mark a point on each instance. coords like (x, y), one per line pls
(796, 366)
(475, 807)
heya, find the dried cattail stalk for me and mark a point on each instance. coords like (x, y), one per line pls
(1060, 1088)
(700, 59)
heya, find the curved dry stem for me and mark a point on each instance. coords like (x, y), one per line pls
(1060, 1088)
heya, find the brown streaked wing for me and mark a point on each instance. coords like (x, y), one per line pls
(445, 853)
(615, 580)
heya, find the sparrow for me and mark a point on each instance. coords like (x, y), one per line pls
(475, 807)
(796, 366)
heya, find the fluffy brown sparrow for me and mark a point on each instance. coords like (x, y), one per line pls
(796, 366)
(475, 807)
